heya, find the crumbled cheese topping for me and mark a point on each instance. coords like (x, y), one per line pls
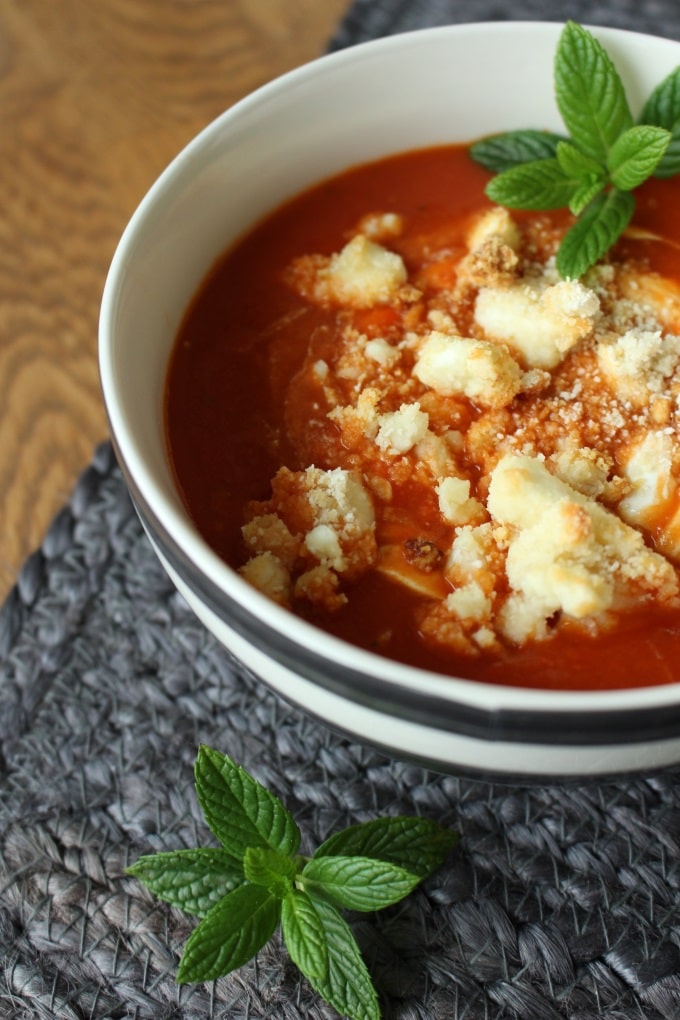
(639, 363)
(533, 423)
(469, 603)
(493, 242)
(316, 522)
(541, 323)
(381, 227)
(455, 503)
(583, 468)
(399, 431)
(567, 552)
(477, 369)
(494, 224)
(649, 470)
(362, 274)
(382, 352)
(267, 573)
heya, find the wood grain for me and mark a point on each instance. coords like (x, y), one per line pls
(95, 99)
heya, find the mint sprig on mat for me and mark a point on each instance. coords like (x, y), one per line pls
(605, 157)
(257, 880)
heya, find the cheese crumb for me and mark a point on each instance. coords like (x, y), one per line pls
(380, 351)
(400, 430)
(649, 469)
(455, 503)
(381, 226)
(639, 363)
(495, 223)
(477, 369)
(267, 573)
(363, 274)
(323, 543)
(584, 468)
(470, 603)
(268, 533)
(541, 323)
(474, 556)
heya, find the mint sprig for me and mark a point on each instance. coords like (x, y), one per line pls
(604, 159)
(257, 880)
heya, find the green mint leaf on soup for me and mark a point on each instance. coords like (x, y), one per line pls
(662, 109)
(257, 880)
(635, 155)
(357, 883)
(193, 880)
(594, 233)
(541, 184)
(589, 92)
(417, 844)
(503, 151)
(606, 157)
(239, 810)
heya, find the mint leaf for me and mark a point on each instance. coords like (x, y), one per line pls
(347, 985)
(576, 164)
(193, 880)
(663, 109)
(594, 233)
(540, 184)
(230, 934)
(589, 92)
(270, 869)
(584, 195)
(304, 934)
(503, 151)
(357, 883)
(419, 845)
(239, 810)
(635, 155)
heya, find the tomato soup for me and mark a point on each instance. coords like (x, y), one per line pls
(389, 413)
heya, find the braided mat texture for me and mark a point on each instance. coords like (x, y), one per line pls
(559, 902)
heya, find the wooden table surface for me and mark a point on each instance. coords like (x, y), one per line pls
(96, 97)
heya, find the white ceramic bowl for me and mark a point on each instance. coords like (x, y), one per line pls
(417, 89)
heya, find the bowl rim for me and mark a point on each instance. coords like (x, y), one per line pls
(188, 548)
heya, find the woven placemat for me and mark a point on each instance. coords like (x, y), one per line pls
(559, 902)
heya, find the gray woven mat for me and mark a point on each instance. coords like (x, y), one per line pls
(558, 903)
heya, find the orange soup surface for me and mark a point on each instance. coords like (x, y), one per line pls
(386, 409)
